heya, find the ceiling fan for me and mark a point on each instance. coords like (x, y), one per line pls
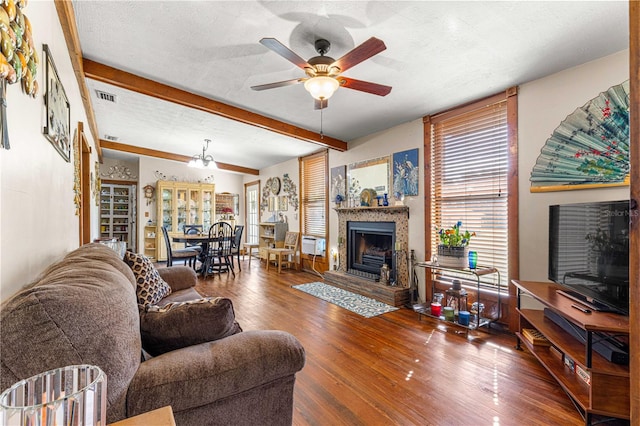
(323, 72)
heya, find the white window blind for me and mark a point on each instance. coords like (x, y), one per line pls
(313, 175)
(469, 181)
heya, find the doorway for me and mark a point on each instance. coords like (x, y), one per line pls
(252, 218)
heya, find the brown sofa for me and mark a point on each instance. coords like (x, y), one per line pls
(83, 310)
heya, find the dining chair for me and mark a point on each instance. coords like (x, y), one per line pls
(218, 256)
(187, 255)
(193, 230)
(237, 242)
(285, 255)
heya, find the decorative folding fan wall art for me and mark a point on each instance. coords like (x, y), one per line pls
(590, 148)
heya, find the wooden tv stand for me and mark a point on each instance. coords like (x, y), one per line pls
(608, 393)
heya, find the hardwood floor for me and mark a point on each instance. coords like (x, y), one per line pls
(393, 369)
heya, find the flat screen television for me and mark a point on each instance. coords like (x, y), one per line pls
(589, 253)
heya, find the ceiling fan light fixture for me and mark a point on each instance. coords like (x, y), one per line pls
(321, 87)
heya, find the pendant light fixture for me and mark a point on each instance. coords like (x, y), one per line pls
(203, 161)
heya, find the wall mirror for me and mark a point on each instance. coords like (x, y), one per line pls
(369, 174)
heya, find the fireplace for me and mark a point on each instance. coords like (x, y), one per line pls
(382, 230)
(370, 246)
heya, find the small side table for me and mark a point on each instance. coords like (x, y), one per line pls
(249, 248)
(160, 417)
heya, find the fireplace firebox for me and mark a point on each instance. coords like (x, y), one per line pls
(369, 246)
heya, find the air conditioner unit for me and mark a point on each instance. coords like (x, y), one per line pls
(313, 245)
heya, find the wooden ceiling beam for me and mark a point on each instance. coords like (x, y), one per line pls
(70, 30)
(125, 80)
(170, 156)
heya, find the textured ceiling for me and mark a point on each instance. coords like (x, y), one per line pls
(439, 54)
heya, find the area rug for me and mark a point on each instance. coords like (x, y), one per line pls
(361, 305)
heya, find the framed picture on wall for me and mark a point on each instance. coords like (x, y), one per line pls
(283, 203)
(405, 173)
(58, 112)
(338, 183)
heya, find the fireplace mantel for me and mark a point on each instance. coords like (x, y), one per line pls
(396, 295)
(397, 214)
(389, 209)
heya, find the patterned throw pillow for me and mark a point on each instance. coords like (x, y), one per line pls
(150, 287)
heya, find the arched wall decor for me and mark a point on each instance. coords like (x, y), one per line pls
(590, 148)
(119, 171)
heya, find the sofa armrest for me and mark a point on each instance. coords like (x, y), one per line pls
(179, 277)
(202, 374)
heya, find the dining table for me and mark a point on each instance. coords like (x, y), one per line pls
(202, 239)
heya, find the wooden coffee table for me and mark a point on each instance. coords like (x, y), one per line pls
(160, 417)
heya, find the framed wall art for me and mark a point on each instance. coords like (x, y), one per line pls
(405, 173)
(339, 183)
(590, 147)
(283, 203)
(58, 112)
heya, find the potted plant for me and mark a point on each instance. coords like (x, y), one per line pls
(453, 247)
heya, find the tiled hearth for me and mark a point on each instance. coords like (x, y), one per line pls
(396, 295)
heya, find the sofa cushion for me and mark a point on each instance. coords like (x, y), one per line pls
(150, 287)
(181, 324)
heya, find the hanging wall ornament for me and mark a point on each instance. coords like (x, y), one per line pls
(590, 148)
(18, 55)
(77, 189)
(3, 115)
(290, 189)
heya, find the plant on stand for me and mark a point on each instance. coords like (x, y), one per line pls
(453, 247)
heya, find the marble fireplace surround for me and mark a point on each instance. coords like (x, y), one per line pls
(394, 295)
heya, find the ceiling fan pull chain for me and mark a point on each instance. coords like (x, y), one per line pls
(321, 134)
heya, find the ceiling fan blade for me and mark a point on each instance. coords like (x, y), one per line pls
(369, 48)
(320, 104)
(364, 86)
(285, 52)
(278, 84)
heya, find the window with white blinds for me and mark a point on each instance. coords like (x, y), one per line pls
(469, 165)
(313, 194)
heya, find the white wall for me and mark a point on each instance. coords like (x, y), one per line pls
(400, 138)
(279, 170)
(542, 105)
(37, 217)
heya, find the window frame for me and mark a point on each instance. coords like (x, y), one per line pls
(511, 98)
(304, 190)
